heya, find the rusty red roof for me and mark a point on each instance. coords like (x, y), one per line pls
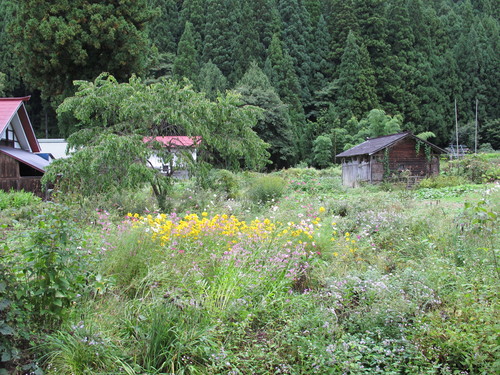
(175, 140)
(9, 107)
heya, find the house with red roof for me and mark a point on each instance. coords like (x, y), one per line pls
(177, 150)
(20, 166)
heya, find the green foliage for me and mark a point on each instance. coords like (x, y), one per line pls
(81, 351)
(266, 189)
(2, 83)
(17, 199)
(8, 351)
(186, 63)
(60, 41)
(476, 168)
(225, 182)
(274, 126)
(53, 266)
(441, 181)
(322, 149)
(112, 164)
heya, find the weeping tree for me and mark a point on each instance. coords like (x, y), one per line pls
(111, 119)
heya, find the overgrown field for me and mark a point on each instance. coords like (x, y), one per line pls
(287, 273)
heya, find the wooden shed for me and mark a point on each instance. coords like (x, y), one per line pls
(396, 155)
(20, 166)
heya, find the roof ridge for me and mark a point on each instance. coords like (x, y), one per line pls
(391, 135)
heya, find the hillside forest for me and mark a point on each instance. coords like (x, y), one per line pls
(329, 72)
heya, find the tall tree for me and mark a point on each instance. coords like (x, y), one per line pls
(211, 81)
(356, 83)
(296, 38)
(58, 41)
(222, 43)
(187, 61)
(279, 69)
(341, 20)
(194, 12)
(274, 126)
(7, 57)
(164, 31)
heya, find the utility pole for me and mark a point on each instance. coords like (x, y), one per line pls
(456, 125)
(475, 143)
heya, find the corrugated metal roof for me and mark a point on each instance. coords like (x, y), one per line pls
(9, 107)
(33, 160)
(176, 140)
(374, 145)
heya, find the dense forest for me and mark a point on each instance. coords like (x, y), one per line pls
(327, 73)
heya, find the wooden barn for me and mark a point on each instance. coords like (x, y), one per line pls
(396, 155)
(20, 166)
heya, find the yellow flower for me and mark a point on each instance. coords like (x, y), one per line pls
(336, 254)
(204, 214)
(322, 209)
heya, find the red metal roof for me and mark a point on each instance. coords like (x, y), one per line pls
(176, 140)
(33, 160)
(8, 109)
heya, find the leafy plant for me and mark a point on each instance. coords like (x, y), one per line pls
(267, 188)
(53, 267)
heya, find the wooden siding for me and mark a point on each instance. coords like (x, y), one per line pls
(9, 167)
(11, 179)
(32, 184)
(402, 157)
(355, 171)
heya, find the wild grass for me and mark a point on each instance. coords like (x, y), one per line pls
(322, 280)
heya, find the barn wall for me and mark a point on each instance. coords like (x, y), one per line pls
(31, 184)
(403, 156)
(9, 167)
(355, 171)
(10, 178)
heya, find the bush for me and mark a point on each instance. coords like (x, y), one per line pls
(441, 181)
(477, 168)
(267, 188)
(17, 199)
(225, 182)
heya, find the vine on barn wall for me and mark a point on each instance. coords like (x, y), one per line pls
(428, 155)
(418, 143)
(387, 171)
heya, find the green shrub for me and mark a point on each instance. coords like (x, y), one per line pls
(53, 265)
(17, 199)
(477, 168)
(225, 182)
(266, 189)
(442, 181)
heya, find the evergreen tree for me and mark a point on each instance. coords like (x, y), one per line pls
(59, 41)
(341, 20)
(279, 69)
(296, 39)
(194, 12)
(187, 61)
(164, 30)
(7, 56)
(356, 83)
(222, 43)
(274, 126)
(211, 81)
(321, 68)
